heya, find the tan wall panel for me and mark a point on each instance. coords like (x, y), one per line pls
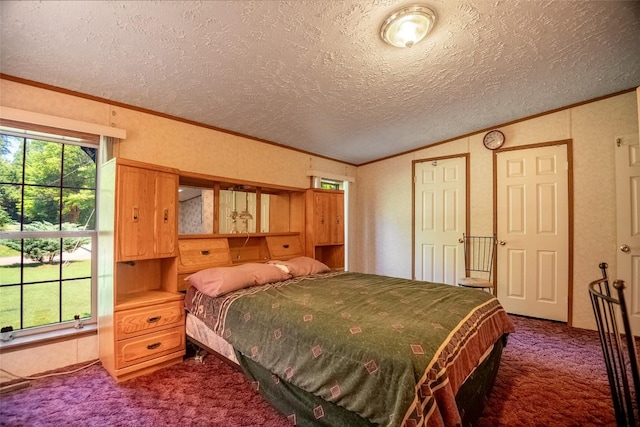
(30, 98)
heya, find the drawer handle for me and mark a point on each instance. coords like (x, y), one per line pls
(135, 214)
(153, 319)
(153, 346)
(285, 246)
(204, 252)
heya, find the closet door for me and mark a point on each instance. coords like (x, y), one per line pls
(440, 219)
(628, 223)
(532, 215)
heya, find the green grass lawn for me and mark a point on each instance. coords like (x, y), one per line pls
(6, 251)
(41, 301)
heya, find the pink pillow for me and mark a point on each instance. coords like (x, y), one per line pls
(221, 280)
(266, 273)
(301, 266)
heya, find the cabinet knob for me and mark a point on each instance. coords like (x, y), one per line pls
(166, 215)
(285, 246)
(322, 219)
(135, 214)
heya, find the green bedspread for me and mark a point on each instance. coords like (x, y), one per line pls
(384, 348)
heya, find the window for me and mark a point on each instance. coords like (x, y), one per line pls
(329, 184)
(47, 229)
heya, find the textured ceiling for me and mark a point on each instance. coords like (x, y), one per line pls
(316, 76)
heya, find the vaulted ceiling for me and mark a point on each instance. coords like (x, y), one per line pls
(316, 76)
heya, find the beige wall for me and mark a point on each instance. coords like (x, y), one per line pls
(48, 357)
(384, 193)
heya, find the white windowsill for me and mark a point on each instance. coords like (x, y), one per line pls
(35, 340)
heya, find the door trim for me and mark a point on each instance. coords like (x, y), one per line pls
(467, 196)
(569, 147)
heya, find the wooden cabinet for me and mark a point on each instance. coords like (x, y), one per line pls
(328, 213)
(140, 311)
(146, 206)
(325, 226)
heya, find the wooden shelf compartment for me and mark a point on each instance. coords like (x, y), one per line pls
(145, 282)
(331, 255)
(145, 298)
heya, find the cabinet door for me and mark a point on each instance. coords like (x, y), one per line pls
(135, 219)
(322, 218)
(337, 218)
(166, 221)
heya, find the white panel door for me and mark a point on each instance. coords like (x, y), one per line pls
(440, 219)
(533, 218)
(628, 223)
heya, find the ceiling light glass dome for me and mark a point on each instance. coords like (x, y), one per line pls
(408, 26)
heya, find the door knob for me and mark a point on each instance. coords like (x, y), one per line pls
(625, 248)
(502, 242)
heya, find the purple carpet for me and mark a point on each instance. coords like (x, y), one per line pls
(550, 375)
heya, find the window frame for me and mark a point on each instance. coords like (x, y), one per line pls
(36, 132)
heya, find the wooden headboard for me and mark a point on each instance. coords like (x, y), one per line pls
(196, 253)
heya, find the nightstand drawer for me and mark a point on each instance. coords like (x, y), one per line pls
(139, 321)
(146, 347)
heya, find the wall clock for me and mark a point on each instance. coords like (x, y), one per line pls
(493, 140)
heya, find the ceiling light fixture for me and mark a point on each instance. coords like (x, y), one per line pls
(407, 26)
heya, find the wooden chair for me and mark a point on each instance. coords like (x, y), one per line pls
(620, 355)
(479, 257)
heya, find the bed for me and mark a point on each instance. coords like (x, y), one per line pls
(350, 349)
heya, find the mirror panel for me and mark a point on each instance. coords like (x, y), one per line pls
(264, 213)
(238, 212)
(195, 210)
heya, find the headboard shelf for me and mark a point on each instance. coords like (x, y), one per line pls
(239, 236)
(203, 180)
(201, 252)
